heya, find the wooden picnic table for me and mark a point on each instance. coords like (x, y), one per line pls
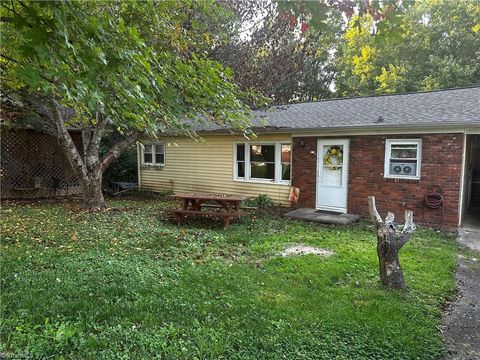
(196, 204)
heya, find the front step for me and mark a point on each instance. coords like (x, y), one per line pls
(322, 216)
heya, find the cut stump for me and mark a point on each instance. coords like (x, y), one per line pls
(389, 243)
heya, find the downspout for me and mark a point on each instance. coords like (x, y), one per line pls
(139, 173)
(462, 180)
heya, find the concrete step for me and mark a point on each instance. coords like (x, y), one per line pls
(324, 217)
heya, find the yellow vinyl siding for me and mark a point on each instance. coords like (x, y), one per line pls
(207, 166)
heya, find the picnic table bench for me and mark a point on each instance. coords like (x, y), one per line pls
(195, 204)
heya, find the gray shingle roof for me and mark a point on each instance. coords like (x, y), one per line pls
(436, 108)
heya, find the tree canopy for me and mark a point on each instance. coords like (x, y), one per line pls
(98, 57)
(435, 46)
(137, 68)
(308, 50)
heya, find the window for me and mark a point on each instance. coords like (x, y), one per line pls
(154, 154)
(241, 161)
(263, 162)
(285, 157)
(159, 154)
(403, 159)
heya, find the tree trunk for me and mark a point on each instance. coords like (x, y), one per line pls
(89, 168)
(391, 273)
(92, 193)
(389, 244)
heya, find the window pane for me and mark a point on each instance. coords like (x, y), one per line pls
(159, 149)
(241, 152)
(147, 158)
(261, 170)
(332, 177)
(159, 158)
(285, 158)
(286, 151)
(285, 171)
(241, 169)
(333, 155)
(262, 153)
(148, 149)
(404, 151)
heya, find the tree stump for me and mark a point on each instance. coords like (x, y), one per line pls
(389, 243)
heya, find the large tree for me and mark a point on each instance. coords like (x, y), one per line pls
(277, 51)
(435, 44)
(139, 68)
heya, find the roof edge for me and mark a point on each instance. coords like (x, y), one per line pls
(354, 128)
(373, 96)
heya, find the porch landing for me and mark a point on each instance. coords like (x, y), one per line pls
(322, 216)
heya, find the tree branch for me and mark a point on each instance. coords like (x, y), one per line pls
(390, 218)
(372, 210)
(65, 140)
(9, 58)
(86, 138)
(117, 149)
(91, 152)
(407, 231)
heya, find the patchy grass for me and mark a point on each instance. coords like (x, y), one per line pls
(127, 283)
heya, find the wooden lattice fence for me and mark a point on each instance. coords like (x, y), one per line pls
(32, 165)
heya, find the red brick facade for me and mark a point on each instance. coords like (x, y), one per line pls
(440, 172)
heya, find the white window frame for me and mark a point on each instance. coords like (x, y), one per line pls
(278, 163)
(388, 152)
(154, 152)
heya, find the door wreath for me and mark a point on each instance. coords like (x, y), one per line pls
(333, 157)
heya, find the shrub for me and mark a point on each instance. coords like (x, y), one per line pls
(262, 201)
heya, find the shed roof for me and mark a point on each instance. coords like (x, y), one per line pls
(434, 108)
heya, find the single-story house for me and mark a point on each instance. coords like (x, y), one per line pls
(397, 147)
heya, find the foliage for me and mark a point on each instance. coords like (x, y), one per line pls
(122, 169)
(262, 201)
(99, 59)
(126, 283)
(303, 50)
(279, 56)
(435, 46)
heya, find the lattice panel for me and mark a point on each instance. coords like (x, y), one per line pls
(32, 165)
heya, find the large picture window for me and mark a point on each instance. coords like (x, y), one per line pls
(403, 159)
(264, 162)
(154, 154)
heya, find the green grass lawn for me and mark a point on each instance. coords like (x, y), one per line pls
(128, 283)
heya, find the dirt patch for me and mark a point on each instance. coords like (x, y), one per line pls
(299, 250)
(461, 328)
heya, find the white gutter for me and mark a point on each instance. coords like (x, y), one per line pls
(374, 129)
(462, 181)
(139, 161)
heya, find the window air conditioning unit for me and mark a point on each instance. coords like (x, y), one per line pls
(403, 169)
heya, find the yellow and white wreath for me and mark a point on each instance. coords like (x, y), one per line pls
(333, 157)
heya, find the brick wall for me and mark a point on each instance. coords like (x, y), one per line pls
(304, 169)
(440, 172)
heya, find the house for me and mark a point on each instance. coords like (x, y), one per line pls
(398, 148)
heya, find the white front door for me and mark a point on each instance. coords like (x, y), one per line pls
(332, 175)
